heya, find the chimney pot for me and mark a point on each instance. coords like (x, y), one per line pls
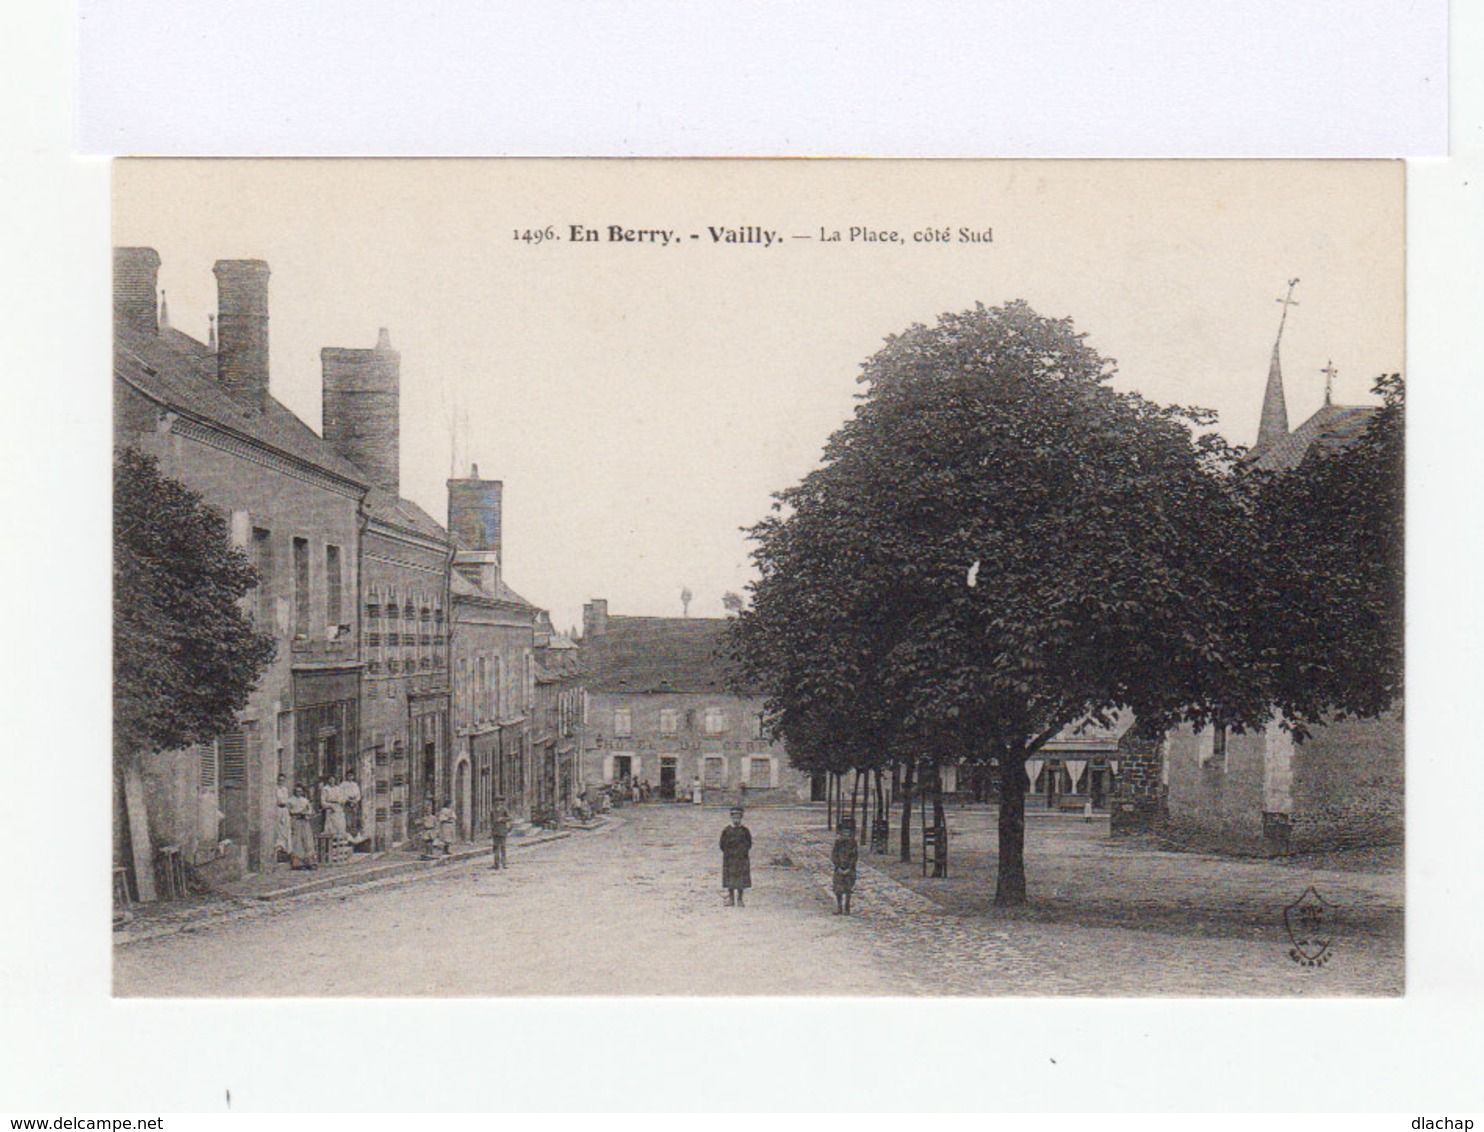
(136, 275)
(474, 520)
(242, 330)
(595, 618)
(361, 414)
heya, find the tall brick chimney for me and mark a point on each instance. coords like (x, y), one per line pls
(474, 522)
(242, 330)
(595, 618)
(136, 275)
(360, 408)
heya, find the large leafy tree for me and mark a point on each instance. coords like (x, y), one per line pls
(1324, 614)
(185, 655)
(1009, 546)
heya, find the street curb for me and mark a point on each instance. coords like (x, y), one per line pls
(400, 868)
(145, 932)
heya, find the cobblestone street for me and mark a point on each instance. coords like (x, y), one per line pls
(636, 908)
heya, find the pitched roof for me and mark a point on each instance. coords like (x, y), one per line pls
(461, 586)
(659, 654)
(1333, 427)
(387, 508)
(180, 372)
(554, 667)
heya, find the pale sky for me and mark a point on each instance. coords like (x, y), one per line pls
(641, 401)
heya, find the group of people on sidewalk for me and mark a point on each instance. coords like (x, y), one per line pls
(736, 862)
(335, 811)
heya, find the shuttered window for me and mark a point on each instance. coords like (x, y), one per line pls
(333, 582)
(233, 750)
(301, 589)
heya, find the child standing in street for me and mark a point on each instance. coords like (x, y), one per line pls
(499, 833)
(844, 856)
(736, 864)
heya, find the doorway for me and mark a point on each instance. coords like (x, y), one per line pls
(461, 800)
(1099, 778)
(667, 778)
(430, 774)
(623, 767)
(714, 772)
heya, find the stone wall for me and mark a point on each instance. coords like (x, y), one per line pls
(1349, 785)
(1138, 802)
(1213, 801)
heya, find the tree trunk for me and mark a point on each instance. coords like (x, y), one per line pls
(829, 800)
(862, 830)
(907, 813)
(940, 825)
(879, 813)
(1010, 882)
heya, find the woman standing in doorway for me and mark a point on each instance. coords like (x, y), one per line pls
(301, 841)
(283, 826)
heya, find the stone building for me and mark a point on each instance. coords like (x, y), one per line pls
(1078, 767)
(205, 411)
(660, 709)
(1081, 765)
(403, 760)
(1266, 792)
(554, 726)
(492, 662)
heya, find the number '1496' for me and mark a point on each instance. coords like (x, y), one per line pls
(536, 235)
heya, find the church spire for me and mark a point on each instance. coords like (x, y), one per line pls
(1274, 424)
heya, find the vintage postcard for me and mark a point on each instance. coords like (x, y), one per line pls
(731, 577)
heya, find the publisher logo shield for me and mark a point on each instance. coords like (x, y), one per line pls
(1310, 924)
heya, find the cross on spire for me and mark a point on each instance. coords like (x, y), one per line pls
(1329, 372)
(1288, 301)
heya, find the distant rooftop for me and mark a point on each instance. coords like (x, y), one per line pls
(659, 654)
(1332, 428)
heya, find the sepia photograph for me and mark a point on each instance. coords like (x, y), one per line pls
(757, 578)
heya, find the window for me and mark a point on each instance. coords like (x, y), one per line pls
(1218, 747)
(669, 722)
(232, 748)
(623, 723)
(757, 725)
(262, 560)
(301, 589)
(759, 773)
(716, 720)
(333, 611)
